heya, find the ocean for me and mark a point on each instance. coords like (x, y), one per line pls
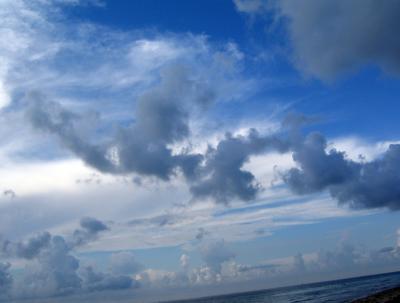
(333, 291)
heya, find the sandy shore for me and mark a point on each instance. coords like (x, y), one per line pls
(387, 296)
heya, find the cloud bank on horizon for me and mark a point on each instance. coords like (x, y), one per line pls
(140, 127)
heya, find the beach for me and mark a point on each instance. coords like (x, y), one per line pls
(388, 296)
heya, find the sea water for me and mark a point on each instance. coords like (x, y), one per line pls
(333, 291)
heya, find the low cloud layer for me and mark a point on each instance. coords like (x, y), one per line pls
(52, 268)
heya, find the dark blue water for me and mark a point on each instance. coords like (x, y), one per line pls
(333, 291)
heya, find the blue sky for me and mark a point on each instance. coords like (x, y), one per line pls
(167, 149)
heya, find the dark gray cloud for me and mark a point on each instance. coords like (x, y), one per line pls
(332, 37)
(33, 246)
(37, 244)
(92, 225)
(90, 228)
(223, 177)
(53, 118)
(329, 38)
(25, 249)
(371, 184)
(219, 173)
(318, 168)
(6, 280)
(201, 234)
(161, 119)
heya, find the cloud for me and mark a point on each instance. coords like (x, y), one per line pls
(334, 37)
(370, 184)
(215, 254)
(330, 38)
(90, 228)
(162, 120)
(184, 261)
(162, 116)
(224, 177)
(201, 233)
(98, 281)
(54, 270)
(250, 6)
(219, 173)
(124, 263)
(92, 225)
(6, 280)
(53, 118)
(54, 273)
(26, 249)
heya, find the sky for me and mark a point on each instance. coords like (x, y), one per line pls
(171, 149)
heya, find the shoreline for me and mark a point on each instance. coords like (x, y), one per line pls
(391, 295)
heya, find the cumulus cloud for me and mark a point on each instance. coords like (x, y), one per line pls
(54, 270)
(370, 184)
(221, 269)
(162, 118)
(53, 273)
(224, 177)
(57, 272)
